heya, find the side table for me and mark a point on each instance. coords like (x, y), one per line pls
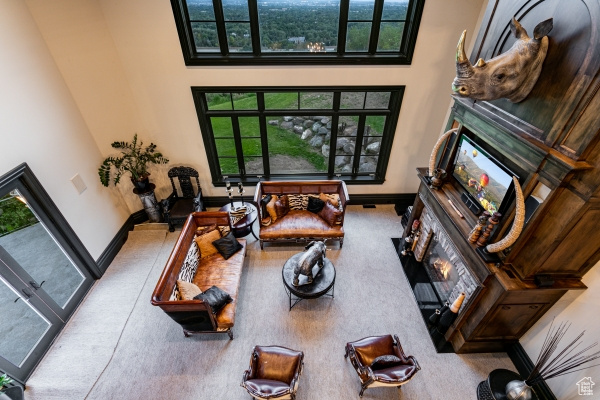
(244, 226)
(321, 285)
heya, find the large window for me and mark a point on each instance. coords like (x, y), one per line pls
(242, 32)
(276, 133)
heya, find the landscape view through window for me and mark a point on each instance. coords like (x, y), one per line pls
(298, 25)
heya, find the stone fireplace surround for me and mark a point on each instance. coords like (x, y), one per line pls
(432, 228)
(426, 296)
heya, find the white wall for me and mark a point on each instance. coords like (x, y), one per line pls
(40, 124)
(152, 84)
(579, 308)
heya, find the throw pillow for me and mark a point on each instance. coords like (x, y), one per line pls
(298, 201)
(386, 361)
(227, 245)
(333, 198)
(263, 205)
(315, 204)
(282, 206)
(187, 290)
(271, 208)
(329, 213)
(266, 221)
(205, 245)
(224, 229)
(215, 297)
(201, 230)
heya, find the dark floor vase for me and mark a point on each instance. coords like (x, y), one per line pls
(12, 393)
(141, 186)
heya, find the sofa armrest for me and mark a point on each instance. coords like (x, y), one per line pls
(257, 198)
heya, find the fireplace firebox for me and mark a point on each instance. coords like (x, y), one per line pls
(439, 268)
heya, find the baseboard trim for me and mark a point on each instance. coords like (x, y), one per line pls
(524, 366)
(401, 201)
(111, 251)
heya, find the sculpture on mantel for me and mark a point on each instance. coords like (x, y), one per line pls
(487, 253)
(509, 75)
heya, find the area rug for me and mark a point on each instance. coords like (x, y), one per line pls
(153, 360)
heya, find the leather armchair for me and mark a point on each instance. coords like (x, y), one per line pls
(176, 208)
(395, 371)
(273, 373)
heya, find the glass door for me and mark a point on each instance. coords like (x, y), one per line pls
(38, 258)
(44, 272)
(28, 325)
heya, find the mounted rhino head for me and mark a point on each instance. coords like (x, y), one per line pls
(512, 74)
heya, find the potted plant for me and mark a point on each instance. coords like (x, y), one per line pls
(4, 380)
(134, 159)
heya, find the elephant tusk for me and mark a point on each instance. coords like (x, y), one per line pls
(517, 225)
(436, 148)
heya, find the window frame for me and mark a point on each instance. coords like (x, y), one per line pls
(340, 57)
(392, 113)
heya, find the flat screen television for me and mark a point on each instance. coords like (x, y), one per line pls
(485, 180)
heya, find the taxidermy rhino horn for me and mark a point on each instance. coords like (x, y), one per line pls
(511, 75)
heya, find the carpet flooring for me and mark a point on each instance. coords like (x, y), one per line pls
(118, 346)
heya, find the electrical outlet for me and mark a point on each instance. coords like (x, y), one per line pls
(78, 183)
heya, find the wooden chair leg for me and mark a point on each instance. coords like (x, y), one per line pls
(362, 390)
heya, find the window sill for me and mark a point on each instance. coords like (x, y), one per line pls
(349, 180)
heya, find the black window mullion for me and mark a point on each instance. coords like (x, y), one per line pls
(407, 27)
(221, 32)
(191, 47)
(254, 27)
(237, 139)
(375, 26)
(262, 122)
(358, 144)
(334, 131)
(343, 27)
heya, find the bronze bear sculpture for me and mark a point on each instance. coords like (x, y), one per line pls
(314, 254)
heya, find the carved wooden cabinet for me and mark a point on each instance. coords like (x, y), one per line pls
(553, 137)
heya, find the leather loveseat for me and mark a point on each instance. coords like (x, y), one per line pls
(195, 316)
(299, 224)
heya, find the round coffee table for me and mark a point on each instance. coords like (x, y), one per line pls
(244, 226)
(320, 286)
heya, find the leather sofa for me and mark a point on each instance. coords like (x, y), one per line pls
(300, 225)
(195, 316)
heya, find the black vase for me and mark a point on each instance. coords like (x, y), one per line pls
(142, 185)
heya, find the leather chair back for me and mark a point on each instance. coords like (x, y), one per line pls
(374, 348)
(276, 363)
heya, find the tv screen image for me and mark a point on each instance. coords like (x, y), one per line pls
(483, 177)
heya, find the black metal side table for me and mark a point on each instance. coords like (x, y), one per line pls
(321, 285)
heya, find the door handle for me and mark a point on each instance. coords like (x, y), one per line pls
(35, 285)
